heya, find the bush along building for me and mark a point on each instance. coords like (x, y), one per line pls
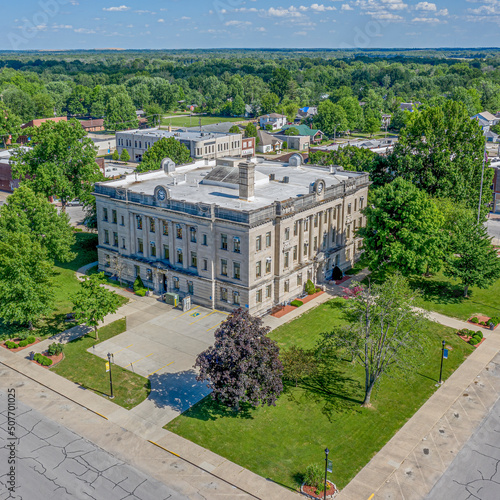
(234, 232)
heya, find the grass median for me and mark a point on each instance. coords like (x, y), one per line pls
(325, 411)
(89, 370)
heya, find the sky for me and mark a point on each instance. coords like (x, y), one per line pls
(190, 24)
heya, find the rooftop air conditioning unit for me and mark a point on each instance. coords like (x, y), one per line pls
(272, 177)
(286, 179)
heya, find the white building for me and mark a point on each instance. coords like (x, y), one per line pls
(276, 121)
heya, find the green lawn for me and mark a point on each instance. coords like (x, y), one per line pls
(445, 296)
(186, 121)
(280, 442)
(89, 370)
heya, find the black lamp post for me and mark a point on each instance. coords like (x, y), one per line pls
(326, 471)
(442, 358)
(111, 395)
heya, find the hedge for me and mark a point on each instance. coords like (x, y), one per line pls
(11, 345)
(296, 303)
(44, 361)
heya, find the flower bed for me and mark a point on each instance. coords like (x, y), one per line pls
(17, 349)
(483, 321)
(468, 335)
(289, 308)
(55, 359)
(310, 491)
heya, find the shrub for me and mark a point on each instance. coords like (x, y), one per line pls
(495, 320)
(11, 345)
(337, 273)
(478, 335)
(23, 336)
(31, 340)
(314, 477)
(318, 289)
(296, 303)
(141, 292)
(474, 341)
(484, 323)
(55, 349)
(23, 343)
(310, 288)
(138, 284)
(474, 320)
(41, 359)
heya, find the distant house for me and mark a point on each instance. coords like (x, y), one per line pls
(315, 135)
(23, 139)
(93, 125)
(491, 136)
(307, 113)
(487, 120)
(276, 121)
(140, 113)
(298, 142)
(249, 112)
(268, 143)
(407, 106)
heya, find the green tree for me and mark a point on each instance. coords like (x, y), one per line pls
(384, 330)
(280, 82)
(349, 157)
(10, 126)
(79, 101)
(61, 163)
(235, 130)
(116, 155)
(28, 213)
(269, 103)
(331, 118)
(470, 98)
(354, 112)
(120, 113)
(449, 161)
(238, 106)
(292, 131)
(250, 130)
(93, 302)
(372, 121)
(472, 258)
(125, 156)
(25, 280)
(154, 112)
(164, 148)
(403, 229)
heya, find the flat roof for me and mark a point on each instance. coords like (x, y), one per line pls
(189, 135)
(187, 184)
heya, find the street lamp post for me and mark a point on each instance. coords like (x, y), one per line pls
(326, 471)
(485, 155)
(111, 395)
(442, 358)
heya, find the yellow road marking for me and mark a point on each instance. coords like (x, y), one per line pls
(97, 413)
(203, 317)
(160, 446)
(116, 352)
(221, 312)
(218, 324)
(160, 369)
(130, 364)
(190, 310)
(371, 496)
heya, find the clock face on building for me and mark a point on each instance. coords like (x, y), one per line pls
(162, 194)
(320, 186)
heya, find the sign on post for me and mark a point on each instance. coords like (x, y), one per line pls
(445, 354)
(107, 366)
(329, 467)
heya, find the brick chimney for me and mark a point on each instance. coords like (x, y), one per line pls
(247, 180)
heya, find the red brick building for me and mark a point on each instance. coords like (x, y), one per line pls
(23, 139)
(93, 125)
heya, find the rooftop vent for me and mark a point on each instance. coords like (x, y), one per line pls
(286, 179)
(272, 177)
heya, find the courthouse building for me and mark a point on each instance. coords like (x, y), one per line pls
(234, 232)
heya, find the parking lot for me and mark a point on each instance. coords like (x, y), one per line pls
(161, 343)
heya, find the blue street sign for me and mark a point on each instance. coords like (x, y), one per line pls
(445, 354)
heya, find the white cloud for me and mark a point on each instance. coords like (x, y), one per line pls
(426, 6)
(122, 8)
(385, 16)
(85, 31)
(261, 29)
(346, 6)
(185, 18)
(429, 20)
(301, 33)
(238, 23)
(161, 20)
(394, 4)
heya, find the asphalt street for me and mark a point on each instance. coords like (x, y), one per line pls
(52, 462)
(475, 472)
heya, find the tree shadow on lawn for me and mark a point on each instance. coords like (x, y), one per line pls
(442, 292)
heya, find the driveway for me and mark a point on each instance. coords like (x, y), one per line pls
(161, 343)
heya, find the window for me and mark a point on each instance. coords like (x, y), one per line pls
(192, 232)
(105, 214)
(106, 237)
(139, 221)
(306, 225)
(299, 279)
(123, 244)
(152, 225)
(348, 255)
(115, 239)
(258, 243)
(236, 298)
(190, 287)
(361, 222)
(258, 269)
(123, 221)
(180, 257)
(223, 241)
(114, 217)
(223, 267)
(149, 275)
(236, 271)
(349, 209)
(295, 228)
(223, 294)
(361, 201)
(295, 252)
(287, 259)
(268, 291)
(268, 239)
(355, 205)
(268, 265)
(325, 219)
(287, 285)
(204, 240)
(194, 259)
(166, 252)
(287, 234)
(348, 232)
(316, 220)
(152, 246)
(165, 228)
(237, 244)
(137, 271)
(205, 264)
(179, 231)
(107, 260)
(140, 245)
(258, 296)
(305, 249)
(315, 243)
(176, 283)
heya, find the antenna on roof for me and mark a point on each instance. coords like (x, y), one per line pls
(200, 124)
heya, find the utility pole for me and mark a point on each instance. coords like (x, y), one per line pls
(442, 358)
(326, 472)
(111, 395)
